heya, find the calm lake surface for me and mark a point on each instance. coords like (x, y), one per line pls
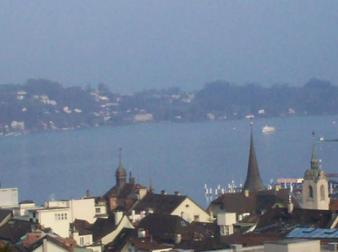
(173, 156)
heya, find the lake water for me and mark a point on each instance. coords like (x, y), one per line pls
(173, 156)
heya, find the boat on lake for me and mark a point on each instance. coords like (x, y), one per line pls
(268, 129)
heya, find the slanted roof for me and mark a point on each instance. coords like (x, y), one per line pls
(14, 229)
(251, 239)
(314, 233)
(253, 181)
(82, 226)
(120, 240)
(164, 226)
(279, 220)
(124, 191)
(254, 202)
(65, 243)
(148, 245)
(4, 214)
(159, 203)
(101, 227)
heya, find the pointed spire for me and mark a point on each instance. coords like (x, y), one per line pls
(253, 180)
(314, 170)
(121, 173)
(314, 160)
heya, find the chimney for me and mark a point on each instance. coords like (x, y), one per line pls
(87, 193)
(178, 238)
(118, 215)
(163, 192)
(141, 233)
(290, 205)
(246, 193)
(177, 193)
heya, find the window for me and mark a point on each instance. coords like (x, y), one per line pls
(98, 210)
(322, 192)
(310, 192)
(196, 217)
(81, 241)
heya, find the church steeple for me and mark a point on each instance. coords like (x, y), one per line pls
(314, 160)
(253, 180)
(121, 173)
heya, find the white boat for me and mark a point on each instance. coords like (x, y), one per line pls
(268, 129)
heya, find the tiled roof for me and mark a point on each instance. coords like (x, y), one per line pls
(120, 241)
(254, 202)
(148, 244)
(13, 230)
(159, 203)
(82, 226)
(4, 214)
(279, 220)
(250, 239)
(314, 233)
(126, 190)
(164, 227)
(102, 227)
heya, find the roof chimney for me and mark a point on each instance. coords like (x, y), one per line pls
(163, 192)
(177, 193)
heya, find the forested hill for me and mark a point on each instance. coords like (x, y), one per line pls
(41, 104)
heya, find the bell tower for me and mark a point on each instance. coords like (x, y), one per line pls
(315, 193)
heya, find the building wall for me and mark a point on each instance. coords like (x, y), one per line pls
(100, 210)
(83, 209)
(9, 197)
(316, 202)
(57, 219)
(300, 246)
(83, 240)
(56, 203)
(190, 211)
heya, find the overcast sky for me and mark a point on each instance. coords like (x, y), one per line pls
(138, 44)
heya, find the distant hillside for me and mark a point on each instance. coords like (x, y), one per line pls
(46, 105)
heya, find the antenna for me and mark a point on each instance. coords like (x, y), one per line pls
(120, 155)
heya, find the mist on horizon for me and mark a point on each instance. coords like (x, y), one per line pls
(134, 45)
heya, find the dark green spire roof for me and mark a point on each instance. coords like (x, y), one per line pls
(121, 173)
(253, 180)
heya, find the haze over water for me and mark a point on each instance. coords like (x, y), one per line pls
(173, 156)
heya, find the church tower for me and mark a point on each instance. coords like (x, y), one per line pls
(253, 181)
(315, 193)
(121, 173)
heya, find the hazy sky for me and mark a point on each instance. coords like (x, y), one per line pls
(138, 44)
